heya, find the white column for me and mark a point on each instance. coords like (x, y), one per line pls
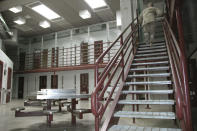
(126, 13)
(42, 43)
(55, 39)
(107, 30)
(134, 7)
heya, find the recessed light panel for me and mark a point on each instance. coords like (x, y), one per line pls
(20, 21)
(16, 9)
(84, 14)
(45, 11)
(94, 4)
(45, 24)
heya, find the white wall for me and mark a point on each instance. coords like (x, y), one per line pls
(31, 81)
(7, 63)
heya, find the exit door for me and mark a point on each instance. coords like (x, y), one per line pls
(84, 84)
(20, 87)
(1, 75)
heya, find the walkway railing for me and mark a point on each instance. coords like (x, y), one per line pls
(180, 78)
(113, 74)
(85, 54)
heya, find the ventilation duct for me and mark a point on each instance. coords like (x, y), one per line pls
(5, 32)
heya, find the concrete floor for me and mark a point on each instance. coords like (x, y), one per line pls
(61, 122)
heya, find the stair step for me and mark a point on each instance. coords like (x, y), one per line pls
(151, 115)
(151, 47)
(151, 54)
(150, 75)
(151, 68)
(148, 92)
(149, 83)
(144, 102)
(151, 58)
(135, 128)
(150, 63)
(154, 44)
(151, 51)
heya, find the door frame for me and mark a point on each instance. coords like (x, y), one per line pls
(87, 85)
(52, 80)
(9, 84)
(40, 82)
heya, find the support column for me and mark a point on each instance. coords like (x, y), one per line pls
(126, 13)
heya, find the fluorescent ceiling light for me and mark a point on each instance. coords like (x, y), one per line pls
(84, 14)
(96, 3)
(16, 9)
(20, 21)
(45, 11)
(118, 18)
(45, 24)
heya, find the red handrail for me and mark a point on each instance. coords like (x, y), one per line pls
(179, 75)
(114, 72)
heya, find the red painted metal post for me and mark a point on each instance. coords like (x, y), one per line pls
(122, 55)
(184, 70)
(73, 117)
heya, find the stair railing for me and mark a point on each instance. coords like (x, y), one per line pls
(179, 77)
(113, 74)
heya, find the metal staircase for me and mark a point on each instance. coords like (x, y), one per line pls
(149, 63)
(143, 88)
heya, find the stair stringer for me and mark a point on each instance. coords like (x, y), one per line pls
(106, 123)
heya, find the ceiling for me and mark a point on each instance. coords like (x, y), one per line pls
(68, 9)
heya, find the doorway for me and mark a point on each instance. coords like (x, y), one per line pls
(84, 53)
(43, 82)
(20, 87)
(1, 77)
(98, 49)
(54, 81)
(9, 85)
(84, 84)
